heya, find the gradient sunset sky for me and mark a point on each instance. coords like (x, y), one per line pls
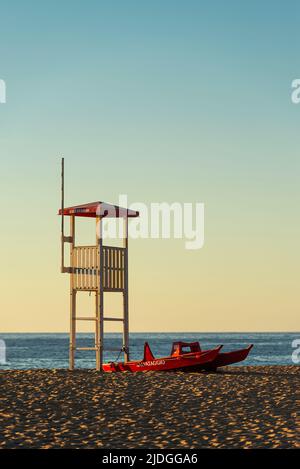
(186, 101)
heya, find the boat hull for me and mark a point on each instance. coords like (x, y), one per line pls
(227, 358)
(180, 363)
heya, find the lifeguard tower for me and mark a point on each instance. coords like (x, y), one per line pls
(98, 269)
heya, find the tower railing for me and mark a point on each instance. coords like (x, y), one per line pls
(85, 267)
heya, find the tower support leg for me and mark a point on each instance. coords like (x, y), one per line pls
(125, 298)
(125, 327)
(99, 330)
(72, 329)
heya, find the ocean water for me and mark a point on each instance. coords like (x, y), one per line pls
(27, 351)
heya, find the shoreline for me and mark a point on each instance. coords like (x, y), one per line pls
(237, 407)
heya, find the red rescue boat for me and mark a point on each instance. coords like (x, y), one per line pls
(221, 359)
(176, 361)
(185, 356)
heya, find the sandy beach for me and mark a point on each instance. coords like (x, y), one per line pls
(238, 407)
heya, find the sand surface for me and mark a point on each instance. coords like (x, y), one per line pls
(238, 407)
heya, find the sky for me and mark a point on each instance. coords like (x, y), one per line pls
(174, 101)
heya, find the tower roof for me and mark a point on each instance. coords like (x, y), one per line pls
(101, 209)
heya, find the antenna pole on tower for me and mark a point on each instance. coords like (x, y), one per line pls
(62, 215)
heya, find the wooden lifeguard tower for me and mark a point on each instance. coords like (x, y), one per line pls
(99, 268)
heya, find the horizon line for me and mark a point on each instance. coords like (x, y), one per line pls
(160, 332)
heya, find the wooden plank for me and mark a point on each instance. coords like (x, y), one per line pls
(93, 267)
(106, 274)
(116, 269)
(88, 267)
(85, 348)
(86, 318)
(79, 267)
(74, 264)
(87, 262)
(83, 266)
(113, 319)
(110, 282)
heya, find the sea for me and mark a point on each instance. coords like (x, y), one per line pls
(43, 350)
